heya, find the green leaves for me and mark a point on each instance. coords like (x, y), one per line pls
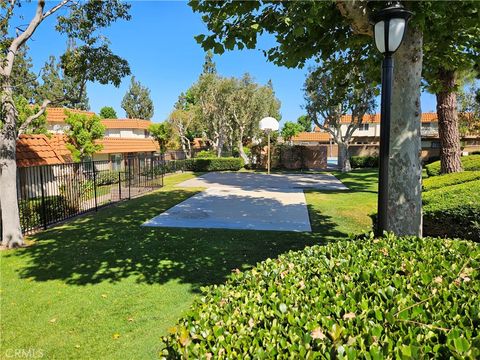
(316, 303)
(137, 102)
(82, 133)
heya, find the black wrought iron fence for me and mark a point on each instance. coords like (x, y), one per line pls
(53, 193)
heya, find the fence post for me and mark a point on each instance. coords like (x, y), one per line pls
(44, 207)
(163, 167)
(129, 177)
(119, 185)
(95, 185)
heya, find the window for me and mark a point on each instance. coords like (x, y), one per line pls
(435, 145)
(116, 160)
(363, 127)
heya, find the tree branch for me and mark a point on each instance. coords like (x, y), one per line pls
(55, 8)
(356, 12)
(32, 118)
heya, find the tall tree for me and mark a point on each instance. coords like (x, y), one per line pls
(137, 102)
(209, 66)
(92, 61)
(82, 133)
(62, 89)
(452, 48)
(24, 80)
(108, 112)
(183, 122)
(318, 29)
(162, 133)
(290, 129)
(305, 122)
(333, 90)
(248, 104)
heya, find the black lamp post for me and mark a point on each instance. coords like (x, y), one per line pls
(390, 25)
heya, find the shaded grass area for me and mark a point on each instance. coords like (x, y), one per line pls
(103, 287)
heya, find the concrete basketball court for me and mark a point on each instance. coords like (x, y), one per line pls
(247, 201)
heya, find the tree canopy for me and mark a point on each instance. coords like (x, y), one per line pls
(162, 133)
(305, 122)
(290, 129)
(328, 99)
(108, 112)
(137, 102)
(62, 90)
(82, 133)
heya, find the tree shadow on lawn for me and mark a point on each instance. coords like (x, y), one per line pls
(110, 245)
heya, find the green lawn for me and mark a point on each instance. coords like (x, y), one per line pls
(102, 287)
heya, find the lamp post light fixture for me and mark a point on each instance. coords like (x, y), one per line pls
(268, 125)
(390, 25)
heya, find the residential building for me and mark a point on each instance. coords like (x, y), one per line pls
(366, 139)
(124, 138)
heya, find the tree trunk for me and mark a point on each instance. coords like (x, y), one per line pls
(240, 146)
(448, 123)
(220, 144)
(11, 230)
(343, 158)
(405, 170)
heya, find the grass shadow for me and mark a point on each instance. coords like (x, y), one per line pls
(110, 245)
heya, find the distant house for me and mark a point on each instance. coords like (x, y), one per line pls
(123, 138)
(366, 138)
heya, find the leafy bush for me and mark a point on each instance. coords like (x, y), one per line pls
(364, 161)
(469, 163)
(441, 181)
(106, 178)
(33, 215)
(371, 298)
(453, 211)
(205, 154)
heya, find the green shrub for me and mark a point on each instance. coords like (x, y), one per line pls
(442, 181)
(106, 178)
(469, 163)
(371, 298)
(453, 211)
(364, 161)
(214, 164)
(205, 154)
(33, 215)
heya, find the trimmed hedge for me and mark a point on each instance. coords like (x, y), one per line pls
(441, 181)
(205, 154)
(364, 161)
(214, 164)
(469, 163)
(453, 211)
(371, 298)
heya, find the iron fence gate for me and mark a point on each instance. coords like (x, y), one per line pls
(49, 194)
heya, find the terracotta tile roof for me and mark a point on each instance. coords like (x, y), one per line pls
(375, 119)
(58, 114)
(126, 123)
(124, 145)
(312, 136)
(33, 150)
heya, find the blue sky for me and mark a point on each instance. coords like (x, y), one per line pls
(163, 55)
